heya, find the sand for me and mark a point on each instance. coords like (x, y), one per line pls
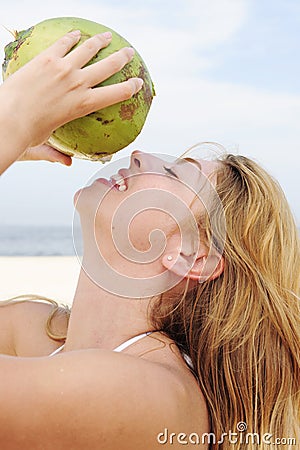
(51, 276)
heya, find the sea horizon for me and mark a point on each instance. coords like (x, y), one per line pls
(38, 240)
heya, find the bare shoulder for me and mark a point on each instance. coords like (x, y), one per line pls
(28, 321)
(96, 399)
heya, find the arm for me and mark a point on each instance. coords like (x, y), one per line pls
(55, 88)
(87, 399)
(12, 142)
(23, 328)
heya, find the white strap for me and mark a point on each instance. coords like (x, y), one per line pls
(59, 349)
(188, 360)
(131, 341)
(117, 349)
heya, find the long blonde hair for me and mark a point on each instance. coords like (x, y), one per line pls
(242, 330)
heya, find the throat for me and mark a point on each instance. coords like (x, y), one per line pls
(102, 320)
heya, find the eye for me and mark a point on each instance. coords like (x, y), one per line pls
(170, 171)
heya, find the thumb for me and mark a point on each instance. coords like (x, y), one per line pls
(46, 153)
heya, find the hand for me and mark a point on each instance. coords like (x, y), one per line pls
(45, 153)
(55, 87)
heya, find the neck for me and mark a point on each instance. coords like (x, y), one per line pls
(103, 320)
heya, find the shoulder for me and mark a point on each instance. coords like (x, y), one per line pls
(28, 321)
(84, 398)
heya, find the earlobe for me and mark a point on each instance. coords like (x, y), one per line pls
(212, 268)
(178, 264)
(199, 269)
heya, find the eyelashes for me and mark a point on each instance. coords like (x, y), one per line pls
(170, 171)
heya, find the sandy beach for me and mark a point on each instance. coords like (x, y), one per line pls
(49, 276)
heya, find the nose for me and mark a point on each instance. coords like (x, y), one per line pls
(145, 162)
(136, 159)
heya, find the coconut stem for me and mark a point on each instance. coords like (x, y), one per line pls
(14, 33)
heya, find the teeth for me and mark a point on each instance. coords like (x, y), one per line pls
(117, 177)
(119, 181)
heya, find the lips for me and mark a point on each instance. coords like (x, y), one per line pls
(107, 183)
(122, 175)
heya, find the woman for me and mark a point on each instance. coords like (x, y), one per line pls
(192, 340)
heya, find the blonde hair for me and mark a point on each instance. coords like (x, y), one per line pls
(241, 330)
(57, 310)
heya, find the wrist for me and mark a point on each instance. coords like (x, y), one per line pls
(12, 125)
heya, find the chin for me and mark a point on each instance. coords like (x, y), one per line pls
(76, 196)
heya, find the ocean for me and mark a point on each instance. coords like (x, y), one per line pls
(36, 241)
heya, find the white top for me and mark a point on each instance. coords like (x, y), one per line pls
(128, 343)
(117, 349)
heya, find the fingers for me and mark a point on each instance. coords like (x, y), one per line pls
(64, 44)
(79, 57)
(88, 49)
(44, 152)
(61, 158)
(61, 91)
(100, 71)
(104, 96)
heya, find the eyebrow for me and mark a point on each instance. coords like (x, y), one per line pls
(191, 160)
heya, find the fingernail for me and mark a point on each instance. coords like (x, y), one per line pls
(107, 35)
(130, 52)
(138, 83)
(75, 33)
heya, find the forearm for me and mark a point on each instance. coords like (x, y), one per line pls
(13, 139)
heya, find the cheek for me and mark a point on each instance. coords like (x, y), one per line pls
(148, 230)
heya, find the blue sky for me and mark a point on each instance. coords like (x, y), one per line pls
(224, 71)
(264, 53)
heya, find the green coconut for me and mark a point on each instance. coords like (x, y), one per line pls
(98, 135)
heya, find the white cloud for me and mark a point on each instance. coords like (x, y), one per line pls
(216, 21)
(166, 44)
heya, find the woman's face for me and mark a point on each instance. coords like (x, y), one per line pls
(133, 221)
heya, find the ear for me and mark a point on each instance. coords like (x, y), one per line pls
(201, 268)
(212, 268)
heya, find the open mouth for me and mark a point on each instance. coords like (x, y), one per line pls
(117, 181)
